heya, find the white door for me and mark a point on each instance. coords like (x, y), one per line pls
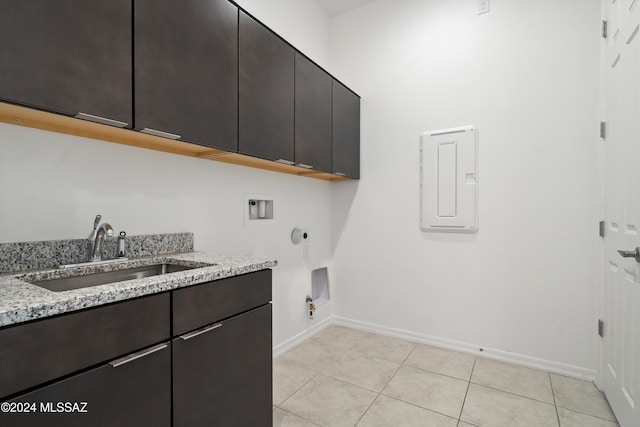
(620, 368)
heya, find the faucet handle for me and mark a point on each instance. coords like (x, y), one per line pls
(121, 238)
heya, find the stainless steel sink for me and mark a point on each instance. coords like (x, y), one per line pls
(88, 280)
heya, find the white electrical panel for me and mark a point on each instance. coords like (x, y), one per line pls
(449, 180)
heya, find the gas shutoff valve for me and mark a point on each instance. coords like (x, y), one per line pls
(311, 307)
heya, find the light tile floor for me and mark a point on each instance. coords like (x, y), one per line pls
(346, 377)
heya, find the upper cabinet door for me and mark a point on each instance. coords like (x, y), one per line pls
(68, 56)
(186, 70)
(312, 116)
(346, 132)
(266, 93)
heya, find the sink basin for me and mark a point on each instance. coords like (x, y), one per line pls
(95, 279)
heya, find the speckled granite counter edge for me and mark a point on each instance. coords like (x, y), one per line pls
(21, 301)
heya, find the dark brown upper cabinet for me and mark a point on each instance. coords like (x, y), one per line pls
(199, 71)
(312, 115)
(346, 132)
(266, 93)
(186, 70)
(68, 56)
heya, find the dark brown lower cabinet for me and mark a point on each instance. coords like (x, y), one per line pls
(103, 366)
(131, 391)
(222, 373)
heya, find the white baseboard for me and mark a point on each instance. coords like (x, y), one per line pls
(302, 336)
(489, 353)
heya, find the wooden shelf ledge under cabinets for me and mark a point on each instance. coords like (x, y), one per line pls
(22, 116)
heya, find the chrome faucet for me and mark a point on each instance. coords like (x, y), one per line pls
(104, 230)
(94, 246)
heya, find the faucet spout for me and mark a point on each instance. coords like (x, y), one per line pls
(104, 230)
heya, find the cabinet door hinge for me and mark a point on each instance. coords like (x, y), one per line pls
(600, 328)
(603, 130)
(601, 228)
(604, 29)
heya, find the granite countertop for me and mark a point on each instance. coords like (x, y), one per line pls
(21, 301)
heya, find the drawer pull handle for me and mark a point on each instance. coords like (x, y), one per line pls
(103, 120)
(340, 174)
(200, 331)
(159, 133)
(138, 355)
(303, 165)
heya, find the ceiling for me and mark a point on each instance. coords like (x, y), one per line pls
(338, 7)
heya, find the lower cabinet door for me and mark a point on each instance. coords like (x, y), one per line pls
(131, 391)
(222, 373)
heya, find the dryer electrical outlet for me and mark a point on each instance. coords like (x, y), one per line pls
(449, 180)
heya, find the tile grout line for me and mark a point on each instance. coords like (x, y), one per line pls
(575, 410)
(553, 394)
(409, 354)
(297, 390)
(439, 373)
(298, 416)
(589, 415)
(511, 392)
(415, 345)
(514, 394)
(367, 410)
(475, 359)
(385, 386)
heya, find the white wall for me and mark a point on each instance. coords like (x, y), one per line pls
(52, 186)
(303, 23)
(527, 75)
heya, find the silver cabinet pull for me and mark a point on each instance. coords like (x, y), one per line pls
(159, 133)
(631, 254)
(102, 120)
(200, 331)
(286, 162)
(302, 165)
(340, 174)
(138, 355)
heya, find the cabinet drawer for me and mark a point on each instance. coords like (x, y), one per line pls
(132, 391)
(222, 376)
(44, 350)
(199, 305)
